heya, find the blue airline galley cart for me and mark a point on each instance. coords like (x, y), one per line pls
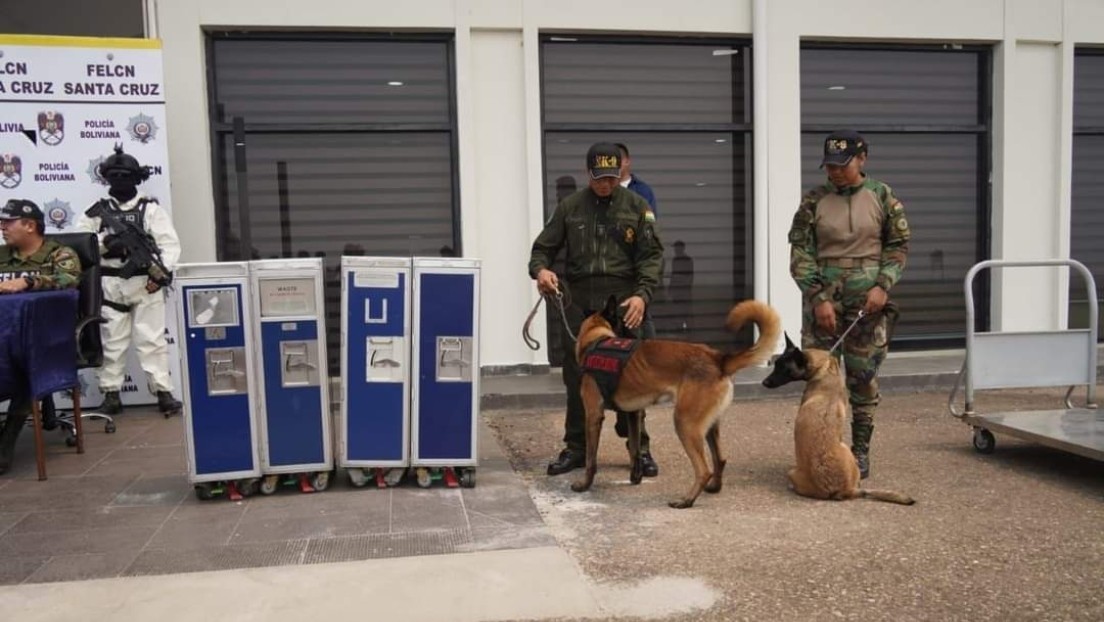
(374, 420)
(445, 348)
(217, 376)
(293, 378)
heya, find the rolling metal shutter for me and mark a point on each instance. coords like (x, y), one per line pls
(925, 113)
(1087, 218)
(333, 146)
(682, 107)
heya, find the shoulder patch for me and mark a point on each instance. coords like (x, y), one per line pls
(902, 224)
(649, 216)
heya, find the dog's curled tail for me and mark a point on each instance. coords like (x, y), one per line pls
(886, 495)
(770, 327)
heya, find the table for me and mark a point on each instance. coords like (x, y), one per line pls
(38, 351)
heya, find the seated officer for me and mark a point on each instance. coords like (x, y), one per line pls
(29, 262)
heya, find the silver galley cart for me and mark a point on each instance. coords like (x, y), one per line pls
(293, 378)
(374, 423)
(1001, 360)
(445, 393)
(221, 435)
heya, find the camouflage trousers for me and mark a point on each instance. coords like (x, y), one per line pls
(863, 349)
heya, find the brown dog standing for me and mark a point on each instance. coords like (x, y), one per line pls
(826, 468)
(696, 377)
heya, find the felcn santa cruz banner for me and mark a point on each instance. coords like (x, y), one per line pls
(65, 102)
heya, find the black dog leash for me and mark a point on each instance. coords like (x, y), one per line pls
(561, 295)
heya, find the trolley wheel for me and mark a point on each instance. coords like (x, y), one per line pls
(393, 477)
(203, 492)
(321, 480)
(109, 427)
(269, 484)
(424, 477)
(249, 487)
(984, 442)
(467, 478)
(71, 440)
(357, 477)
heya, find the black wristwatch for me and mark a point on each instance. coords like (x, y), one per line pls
(30, 281)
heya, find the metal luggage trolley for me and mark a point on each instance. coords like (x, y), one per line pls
(219, 389)
(296, 447)
(373, 428)
(444, 412)
(1003, 360)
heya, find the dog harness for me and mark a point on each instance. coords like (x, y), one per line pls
(605, 360)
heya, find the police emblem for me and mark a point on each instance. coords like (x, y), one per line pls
(11, 171)
(58, 213)
(51, 127)
(142, 128)
(94, 170)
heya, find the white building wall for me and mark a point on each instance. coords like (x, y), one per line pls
(498, 106)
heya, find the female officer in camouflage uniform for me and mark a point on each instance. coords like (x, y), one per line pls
(848, 245)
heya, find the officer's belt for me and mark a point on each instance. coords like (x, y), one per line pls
(118, 272)
(848, 262)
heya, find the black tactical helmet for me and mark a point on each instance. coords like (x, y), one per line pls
(124, 162)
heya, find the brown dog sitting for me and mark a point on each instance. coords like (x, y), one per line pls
(697, 377)
(825, 469)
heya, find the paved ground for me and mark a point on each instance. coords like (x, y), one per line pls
(1015, 535)
(125, 508)
(1010, 536)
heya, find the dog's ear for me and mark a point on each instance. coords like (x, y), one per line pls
(789, 344)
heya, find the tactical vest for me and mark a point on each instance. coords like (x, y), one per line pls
(604, 360)
(136, 216)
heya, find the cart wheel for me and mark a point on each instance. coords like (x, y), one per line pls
(109, 427)
(203, 492)
(357, 477)
(393, 477)
(321, 481)
(984, 442)
(467, 478)
(71, 440)
(249, 487)
(269, 484)
(424, 477)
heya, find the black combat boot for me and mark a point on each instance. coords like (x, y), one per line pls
(111, 405)
(860, 446)
(167, 405)
(651, 469)
(568, 460)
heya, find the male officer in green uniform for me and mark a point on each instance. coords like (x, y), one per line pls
(848, 245)
(29, 262)
(613, 248)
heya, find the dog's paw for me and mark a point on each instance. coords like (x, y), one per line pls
(681, 504)
(580, 486)
(714, 486)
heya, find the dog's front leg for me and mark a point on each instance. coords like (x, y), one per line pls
(636, 473)
(592, 403)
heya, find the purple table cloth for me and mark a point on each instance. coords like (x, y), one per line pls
(38, 346)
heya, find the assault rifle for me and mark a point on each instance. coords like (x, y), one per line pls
(142, 254)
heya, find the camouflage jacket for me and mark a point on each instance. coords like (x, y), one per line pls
(862, 222)
(618, 241)
(52, 266)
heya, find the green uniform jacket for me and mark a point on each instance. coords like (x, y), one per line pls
(52, 267)
(866, 222)
(611, 249)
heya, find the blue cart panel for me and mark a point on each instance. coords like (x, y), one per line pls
(375, 411)
(446, 392)
(289, 315)
(221, 437)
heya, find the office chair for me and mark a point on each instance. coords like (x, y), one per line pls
(89, 340)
